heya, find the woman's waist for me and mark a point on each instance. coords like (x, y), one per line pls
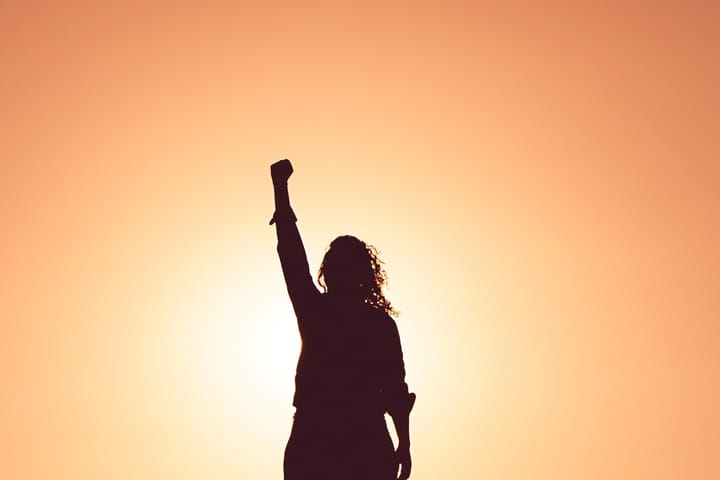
(339, 403)
(339, 415)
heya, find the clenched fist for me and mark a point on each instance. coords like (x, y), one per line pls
(280, 171)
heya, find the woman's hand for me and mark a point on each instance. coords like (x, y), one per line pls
(402, 457)
(280, 171)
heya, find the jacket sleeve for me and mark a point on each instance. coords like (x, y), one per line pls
(395, 390)
(299, 283)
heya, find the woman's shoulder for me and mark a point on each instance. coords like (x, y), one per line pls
(381, 318)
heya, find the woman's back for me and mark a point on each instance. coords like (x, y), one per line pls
(350, 358)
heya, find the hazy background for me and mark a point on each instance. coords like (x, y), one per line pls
(541, 179)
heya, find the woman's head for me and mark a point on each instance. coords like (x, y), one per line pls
(352, 268)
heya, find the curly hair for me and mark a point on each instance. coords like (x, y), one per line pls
(355, 266)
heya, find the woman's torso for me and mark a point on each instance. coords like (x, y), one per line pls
(341, 359)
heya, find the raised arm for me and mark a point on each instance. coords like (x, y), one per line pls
(293, 259)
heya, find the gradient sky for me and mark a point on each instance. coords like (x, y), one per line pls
(541, 179)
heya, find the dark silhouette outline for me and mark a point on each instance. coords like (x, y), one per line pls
(351, 370)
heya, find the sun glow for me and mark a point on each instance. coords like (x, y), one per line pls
(245, 343)
(225, 374)
(542, 185)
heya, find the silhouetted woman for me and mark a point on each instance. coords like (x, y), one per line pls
(350, 371)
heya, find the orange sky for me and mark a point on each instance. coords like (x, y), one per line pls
(540, 178)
